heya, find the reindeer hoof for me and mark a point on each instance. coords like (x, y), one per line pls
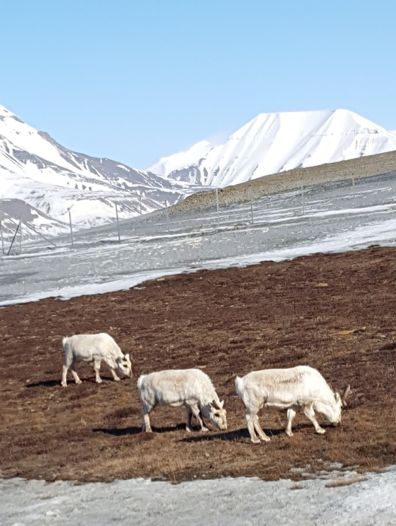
(320, 431)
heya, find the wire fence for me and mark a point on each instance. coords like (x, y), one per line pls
(18, 237)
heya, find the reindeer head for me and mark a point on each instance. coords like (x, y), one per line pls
(124, 366)
(340, 402)
(217, 414)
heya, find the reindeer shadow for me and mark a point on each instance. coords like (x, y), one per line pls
(118, 431)
(133, 430)
(235, 435)
(70, 383)
(227, 436)
(44, 383)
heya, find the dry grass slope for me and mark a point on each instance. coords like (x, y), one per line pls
(334, 312)
(369, 166)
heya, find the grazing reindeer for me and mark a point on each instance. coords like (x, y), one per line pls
(290, 389)
(190, 388)
(94, 348)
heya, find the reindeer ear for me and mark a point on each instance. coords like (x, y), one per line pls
(127, 356)
(221, 404)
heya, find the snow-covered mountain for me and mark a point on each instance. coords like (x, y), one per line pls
(275, 142)
(40, 180)
(44, 180)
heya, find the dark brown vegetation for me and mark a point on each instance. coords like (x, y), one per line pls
(333, 312)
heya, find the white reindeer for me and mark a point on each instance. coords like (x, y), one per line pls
(190, 388)
(290, 389)
(94, 348)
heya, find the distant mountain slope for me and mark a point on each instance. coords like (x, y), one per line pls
(276, 142)
(51, 179)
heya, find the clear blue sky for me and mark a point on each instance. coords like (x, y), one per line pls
(137, 79)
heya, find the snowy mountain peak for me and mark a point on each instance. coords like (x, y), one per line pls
(275, 142)
(180, 160)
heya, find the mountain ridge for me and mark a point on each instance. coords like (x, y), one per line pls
(276, 142)
(36, 169)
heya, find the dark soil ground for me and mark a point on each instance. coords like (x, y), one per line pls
(333, 312)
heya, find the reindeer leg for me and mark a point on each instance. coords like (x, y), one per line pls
(189, 419)
(146, 419)
(74, 373)
(197, 414)
(290, 417)
(260, 431)
(250, 425)
(98, 379)
(310, 414)
(65, 368)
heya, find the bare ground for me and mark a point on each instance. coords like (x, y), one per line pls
(333, 312)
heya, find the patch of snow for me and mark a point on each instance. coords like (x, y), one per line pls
(66, 293)
(239, 501)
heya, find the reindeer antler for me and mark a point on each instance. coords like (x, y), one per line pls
(345, 395)
(216, 404)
